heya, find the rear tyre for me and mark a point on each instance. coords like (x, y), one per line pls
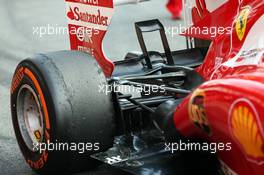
(57, 103)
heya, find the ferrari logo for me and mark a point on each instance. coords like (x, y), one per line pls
(241, 23)
(197, 111)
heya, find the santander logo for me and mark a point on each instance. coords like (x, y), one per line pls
(70, 14)
(88, 17)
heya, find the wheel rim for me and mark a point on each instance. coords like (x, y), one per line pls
(30, 118)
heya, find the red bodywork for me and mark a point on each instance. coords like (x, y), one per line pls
(232, 98)
(228, 107)
(88, 24)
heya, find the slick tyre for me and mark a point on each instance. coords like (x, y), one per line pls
(59, 115)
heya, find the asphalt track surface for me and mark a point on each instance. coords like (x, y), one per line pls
(19, 21)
